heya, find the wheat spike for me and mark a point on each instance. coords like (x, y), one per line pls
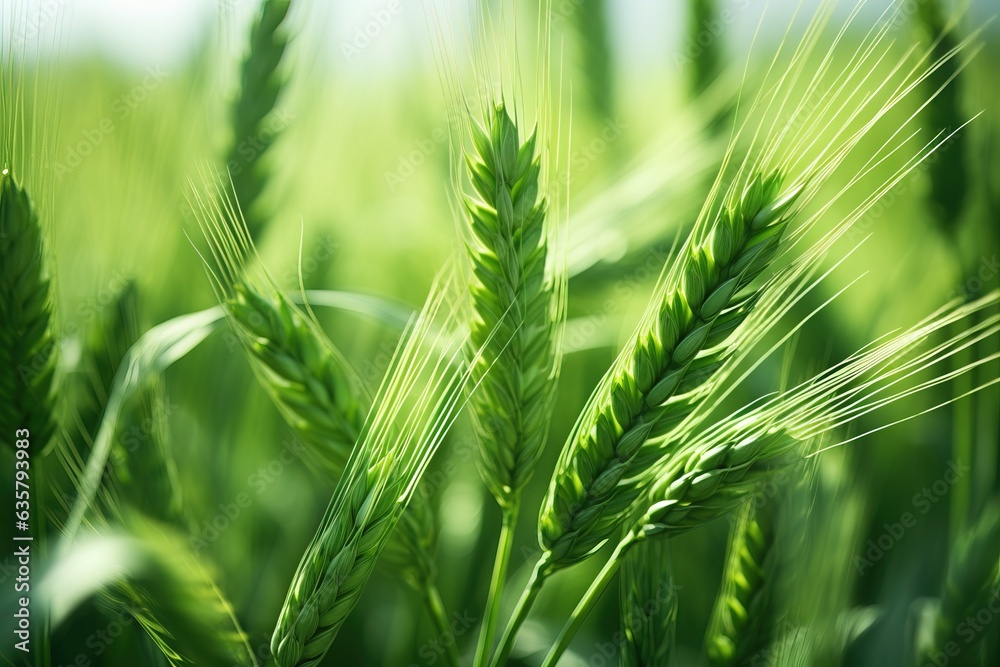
(412, 412)
(716, 469)
(740, 604)
(27, 344)
(699, 309)
(254, 128)
(719, 467)
(142, 458)
(511, 295)
(765, 540)
(648, 604)
(314, 387)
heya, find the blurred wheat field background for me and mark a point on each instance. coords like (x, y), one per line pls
(305, 165)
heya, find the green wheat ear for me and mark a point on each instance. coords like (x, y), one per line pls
(321, 397)
(142, 457)
(653, 383)
(648, 603)
(27, 344)
(314, 387)
(733, 631)
(105, 343)
(517, 302)
(309, 381)
(514, 320)
(413, 410)
(765, 537)
(253, 125)
(144, 468)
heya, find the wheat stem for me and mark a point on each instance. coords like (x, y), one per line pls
(589, 599)
(439, 618)
(520, 615)
(505, 545)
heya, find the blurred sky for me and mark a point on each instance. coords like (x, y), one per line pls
(139, 33)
